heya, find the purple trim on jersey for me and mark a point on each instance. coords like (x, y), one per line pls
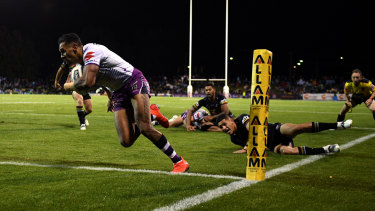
(184, 115)
(136, 84)
(93, 63)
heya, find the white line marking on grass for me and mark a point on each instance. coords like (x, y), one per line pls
(210, 194)
(121, 170)
(234, 186)
(363, 128)
(357, 141)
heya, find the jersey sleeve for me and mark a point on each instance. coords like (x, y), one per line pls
(199, 104)
(371, 86)
(347, 88)
(223, 100)
(92, 55)
(245, 120)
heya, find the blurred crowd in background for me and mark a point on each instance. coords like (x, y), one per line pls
(162, 85)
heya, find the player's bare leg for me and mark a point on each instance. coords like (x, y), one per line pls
(88, 106)
(286, 150)
(80, 111)
(127, 130)
(141, 105)
(371, 107)
(176, 122)
(142, 116)
(78, 98)
(291, 130)
(345, 109)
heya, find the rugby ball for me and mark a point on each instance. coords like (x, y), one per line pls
(76, 72)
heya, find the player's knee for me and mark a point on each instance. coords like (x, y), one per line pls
(88, 111)
(280, 149)
(127, 142)
(79, 102)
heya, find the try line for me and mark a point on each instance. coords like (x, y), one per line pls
(237, 185)
(121, 170)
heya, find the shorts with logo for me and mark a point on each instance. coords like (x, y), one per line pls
(136, 84)
(184, 115)
(275, 137)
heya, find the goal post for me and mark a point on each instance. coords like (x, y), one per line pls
(259, 109)
(190, 86)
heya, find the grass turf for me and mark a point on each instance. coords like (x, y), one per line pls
(44, 129)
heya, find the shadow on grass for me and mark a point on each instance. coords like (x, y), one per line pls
(69, 163)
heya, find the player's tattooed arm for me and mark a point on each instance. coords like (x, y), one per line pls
(80, 85)
(88, 78)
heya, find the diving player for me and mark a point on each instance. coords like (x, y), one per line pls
(197, 121)
(131, 98)
(362, 90)
(280, 136)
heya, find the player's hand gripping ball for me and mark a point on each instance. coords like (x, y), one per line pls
(76, 72)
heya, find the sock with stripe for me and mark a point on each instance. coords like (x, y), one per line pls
(303, 150)
(81, 114)
(340, 118)
(320, 126)
(167, 148)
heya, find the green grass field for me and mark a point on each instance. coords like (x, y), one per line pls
(44, 130)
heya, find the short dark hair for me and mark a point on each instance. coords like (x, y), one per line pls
(357, 71)
(210, 84)
(69, 38)
(221, 117)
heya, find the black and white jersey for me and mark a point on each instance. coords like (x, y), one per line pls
(214, 107)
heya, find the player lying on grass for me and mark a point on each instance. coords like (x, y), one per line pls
(280, 136)
(216, 104)
(81, 100)
(362, 90)
(131, 92)
(197, 121)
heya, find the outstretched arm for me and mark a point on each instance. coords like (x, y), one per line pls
(59, 74)
(224, 110)
(369, 101)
